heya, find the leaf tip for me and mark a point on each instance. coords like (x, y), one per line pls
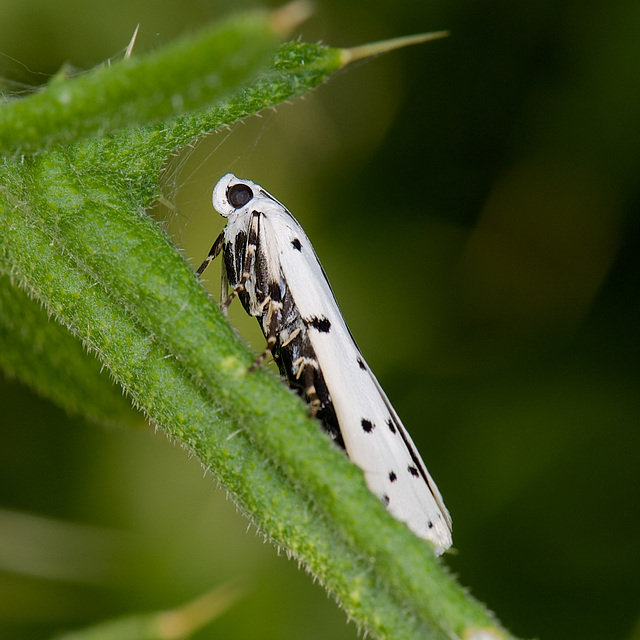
(288, 17)
(383, 46)
(189, 618)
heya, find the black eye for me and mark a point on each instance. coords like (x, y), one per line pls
(238, 195)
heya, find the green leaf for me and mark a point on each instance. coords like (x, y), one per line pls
(139, 89)
(46, 356)
(74, 236)
(175, 624)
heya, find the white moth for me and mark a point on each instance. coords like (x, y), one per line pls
(272, 267)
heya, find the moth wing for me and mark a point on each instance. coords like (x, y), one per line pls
(373, 434)
(430, 519)
(379, 444)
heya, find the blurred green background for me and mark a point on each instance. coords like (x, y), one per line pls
(474, 202)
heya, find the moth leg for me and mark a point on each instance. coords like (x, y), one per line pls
(225, 298)
(213, 253)
(271, 342)
(224, 291)
(307, 371)
(249, 263)
(294, 334)
(270, 324)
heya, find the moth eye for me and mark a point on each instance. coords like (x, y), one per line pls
(238, 195)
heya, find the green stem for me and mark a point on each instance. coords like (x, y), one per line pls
(131, 91)
(73, 236)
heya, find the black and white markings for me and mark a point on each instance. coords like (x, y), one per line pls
(320, 324)
(271, 266)
(367, 425)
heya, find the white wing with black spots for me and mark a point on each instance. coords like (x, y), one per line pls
(272, 267)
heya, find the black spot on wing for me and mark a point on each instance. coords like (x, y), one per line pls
(367, 425)
(413, 471)
(386, 500)
(323, 325)
(392, 476)
(429, 525)
(391, 425)
(361, 364)
(275, 293)
(296, 244)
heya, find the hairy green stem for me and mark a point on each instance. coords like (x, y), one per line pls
(74, 236)
(131, 91)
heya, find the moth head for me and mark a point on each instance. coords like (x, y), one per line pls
(231, 194)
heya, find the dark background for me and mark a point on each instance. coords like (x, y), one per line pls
(474, 202)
